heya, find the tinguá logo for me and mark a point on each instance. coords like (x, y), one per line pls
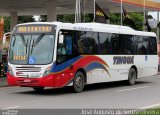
(123, 60)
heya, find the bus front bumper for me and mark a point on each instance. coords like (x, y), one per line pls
(47, 81)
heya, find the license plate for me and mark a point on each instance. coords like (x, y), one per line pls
(27, 80)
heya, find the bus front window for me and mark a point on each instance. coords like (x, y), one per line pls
(32, 49)
(18, 49)
(41, 51)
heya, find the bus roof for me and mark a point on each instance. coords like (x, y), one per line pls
(98, 27)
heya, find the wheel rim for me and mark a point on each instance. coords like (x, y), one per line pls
(133, 76)
(79, 82)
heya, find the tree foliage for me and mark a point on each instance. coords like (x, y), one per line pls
(21, 19)
(137, 18)
(67, 18)
(7, 22)
(115, 18)
(43, 18)
(25, 19)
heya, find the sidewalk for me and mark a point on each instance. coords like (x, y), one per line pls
(3, 82)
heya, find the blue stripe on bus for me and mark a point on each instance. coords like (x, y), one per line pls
(61, 67)
(95, 65)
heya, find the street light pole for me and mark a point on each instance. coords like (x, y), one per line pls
(157, 26)
(78, 11)
(94, 10)
(121, 12)
(144, 15)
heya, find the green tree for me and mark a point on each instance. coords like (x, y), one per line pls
(61, 18)
(66, 18)
(25, 19)
(115, 18)
(7, 22)
(21, 19)
(89, 17)
(43, 18)
(137, 18)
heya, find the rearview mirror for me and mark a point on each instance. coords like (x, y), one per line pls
(4, 39)
(61, 38)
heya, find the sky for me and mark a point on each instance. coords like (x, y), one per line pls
(156, 0)
(154, 14)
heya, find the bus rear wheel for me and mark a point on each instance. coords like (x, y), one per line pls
(78, 82)
(38, 89)
(132, 76)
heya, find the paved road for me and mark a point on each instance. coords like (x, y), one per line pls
(145, 94)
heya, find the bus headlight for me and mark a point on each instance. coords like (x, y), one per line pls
(47, 71)
(10, 70)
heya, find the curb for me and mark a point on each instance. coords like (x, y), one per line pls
(5, 86)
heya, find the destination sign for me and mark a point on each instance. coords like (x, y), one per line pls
(34, 29)
(19, 58)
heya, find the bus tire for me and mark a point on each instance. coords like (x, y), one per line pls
(78, 82)
(38, 89)
(132, 76)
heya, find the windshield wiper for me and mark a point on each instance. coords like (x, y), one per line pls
(35, 42)
(23, 40)
(14, 41)
(38, 40)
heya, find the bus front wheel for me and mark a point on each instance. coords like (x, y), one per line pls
(38, 89)
(78, 82)
(132, 76)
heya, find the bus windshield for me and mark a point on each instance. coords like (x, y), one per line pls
(33, 49)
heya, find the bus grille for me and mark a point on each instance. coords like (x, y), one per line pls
(28, 69)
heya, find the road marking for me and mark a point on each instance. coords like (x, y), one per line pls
(132, 89)
(14, 107)
(151, 106)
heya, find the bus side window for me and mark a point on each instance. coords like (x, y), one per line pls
(127, 44)
(152, 45)
(86, 42)
(142, 45)
(115, 44)
(64, 47)
(65, 44)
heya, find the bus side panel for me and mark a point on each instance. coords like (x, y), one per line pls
(111, 72)
(92, 77)
(146, 65)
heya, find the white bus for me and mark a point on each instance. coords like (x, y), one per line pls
(63, 54)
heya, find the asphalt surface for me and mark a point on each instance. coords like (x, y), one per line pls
(117, 95)
(3, 82)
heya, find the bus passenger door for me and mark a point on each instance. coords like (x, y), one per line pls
(64, 56)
